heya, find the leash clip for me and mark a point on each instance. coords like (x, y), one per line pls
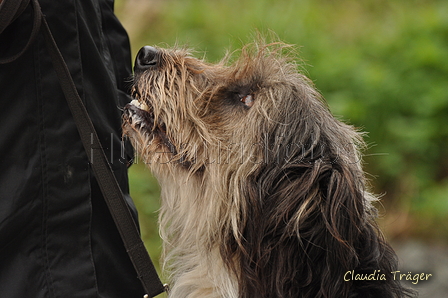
(165, 286)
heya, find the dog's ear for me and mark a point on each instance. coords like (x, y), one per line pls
(309, 224)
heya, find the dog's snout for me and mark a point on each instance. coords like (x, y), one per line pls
(147, 58)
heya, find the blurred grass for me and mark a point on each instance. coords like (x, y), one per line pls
(145, 191)
(382, 66)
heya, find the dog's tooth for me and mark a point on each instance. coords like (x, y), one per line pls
(144, 106)
(135, 103)
(141, 105)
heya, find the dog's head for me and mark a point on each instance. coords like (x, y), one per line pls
(255, 111)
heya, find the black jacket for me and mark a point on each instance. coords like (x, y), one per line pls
(57, 238)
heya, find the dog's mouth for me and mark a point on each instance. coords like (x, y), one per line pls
(140, 117)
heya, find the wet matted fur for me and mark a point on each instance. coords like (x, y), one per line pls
(262, 189)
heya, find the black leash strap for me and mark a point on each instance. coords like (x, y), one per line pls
(9, 11)
(101, 168)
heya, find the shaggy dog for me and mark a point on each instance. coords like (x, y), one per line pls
(263, 194)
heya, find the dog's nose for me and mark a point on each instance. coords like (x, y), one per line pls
(146, 58)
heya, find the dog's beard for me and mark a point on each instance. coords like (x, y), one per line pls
(158, 148)
(147, 134)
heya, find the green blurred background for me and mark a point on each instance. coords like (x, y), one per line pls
(381, 65)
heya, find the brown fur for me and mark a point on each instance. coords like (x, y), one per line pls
(263, 194)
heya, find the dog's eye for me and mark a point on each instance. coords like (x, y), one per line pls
(248, 100)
